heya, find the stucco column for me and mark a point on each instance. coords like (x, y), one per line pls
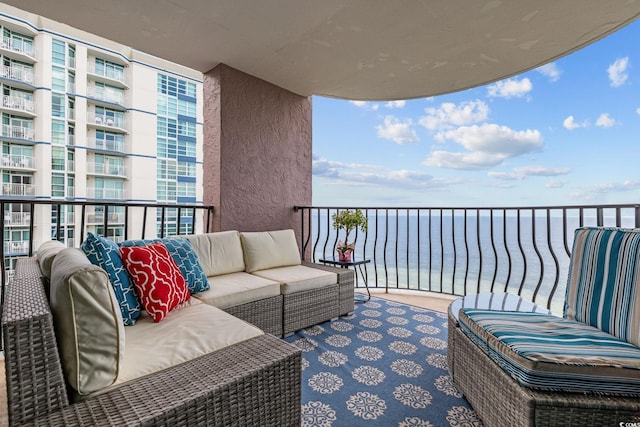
(257, 152)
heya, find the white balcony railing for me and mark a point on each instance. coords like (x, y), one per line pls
(18, 190)
(98, 218)
(106, 72)
(19, 73)
(105, 120)
(13, 161)
(17, 218)
(19, 46)
(19, 132)
(71, 113)
(106, 95)
(108, 145)
(106, 193)
(71, 140)
(18, 103)
(106, 169)
(71, 88)
(16, 247)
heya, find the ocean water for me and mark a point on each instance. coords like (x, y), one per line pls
(463, 252)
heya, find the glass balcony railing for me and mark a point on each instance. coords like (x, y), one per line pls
(106, 193)
(106, 145)
(462, 251)
(106, 72)
(106, 169)
(16, 248)
(110, 96)
(105, 120)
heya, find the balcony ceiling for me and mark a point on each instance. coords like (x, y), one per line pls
(352, 49)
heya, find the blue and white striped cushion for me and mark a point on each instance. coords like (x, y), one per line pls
(603, 289)
(546, 352)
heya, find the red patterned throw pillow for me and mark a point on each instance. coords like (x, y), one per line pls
(157, 278)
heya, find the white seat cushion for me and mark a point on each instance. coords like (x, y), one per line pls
(192, 330)
(234, 289)
(298, 278)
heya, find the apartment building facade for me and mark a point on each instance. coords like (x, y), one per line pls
(84, 118)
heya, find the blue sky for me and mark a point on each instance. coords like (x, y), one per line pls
(564, 134)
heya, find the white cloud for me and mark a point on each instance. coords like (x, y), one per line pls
(628, 185)
(397, 130)
(638, 111)
(555, 183)
(487, 145)
(493, 138)
(463, 161)
(571, 124)
(510, 88)
(604, 121)
(395, 104)
(617, 71)
(449, 114)
(365, 105)
(550, 71)
(525, 171)
(363, 174)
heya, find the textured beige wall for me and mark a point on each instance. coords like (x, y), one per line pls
(257, 152)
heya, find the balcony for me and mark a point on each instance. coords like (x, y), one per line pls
(106, 193)
(17, 248)
(106, 145)
(22, 190)
(105, 121)
(106, 169)
(108, 97)
(18, 132)
(17, 73)
(98, 217)
(19, 49)
(17, 162)
(463, 251)
(107, 75)
(17, 218)
(18, 104)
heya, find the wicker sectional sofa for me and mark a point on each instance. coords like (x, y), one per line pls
(538, 369)
(212, 360)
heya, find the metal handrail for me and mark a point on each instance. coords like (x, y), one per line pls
(111, 214)
(466, 250)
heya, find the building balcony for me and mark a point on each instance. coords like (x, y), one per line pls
(10, 161)
(106, 97)
(70, 114)
(106, 169)
(19, 49)
(106, 193)
(97, 218)
(105, 122)
(17, 248)
(19, 74)
(18, 104)
(17, 218)
(18, 132)
(24, 190)
(116, 147)
(107, 75)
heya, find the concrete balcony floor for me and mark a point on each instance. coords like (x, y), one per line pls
(420, 299)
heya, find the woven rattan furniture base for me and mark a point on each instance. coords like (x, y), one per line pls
(346, 283)
(303, 309)
(501, 401)
(252, 383)
(261, 313)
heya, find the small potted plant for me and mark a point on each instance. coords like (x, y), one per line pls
(348, 221)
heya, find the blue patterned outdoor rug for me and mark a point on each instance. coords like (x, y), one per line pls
(384, 365)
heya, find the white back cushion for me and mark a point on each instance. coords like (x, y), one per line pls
(219, 253)
(269, 249)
